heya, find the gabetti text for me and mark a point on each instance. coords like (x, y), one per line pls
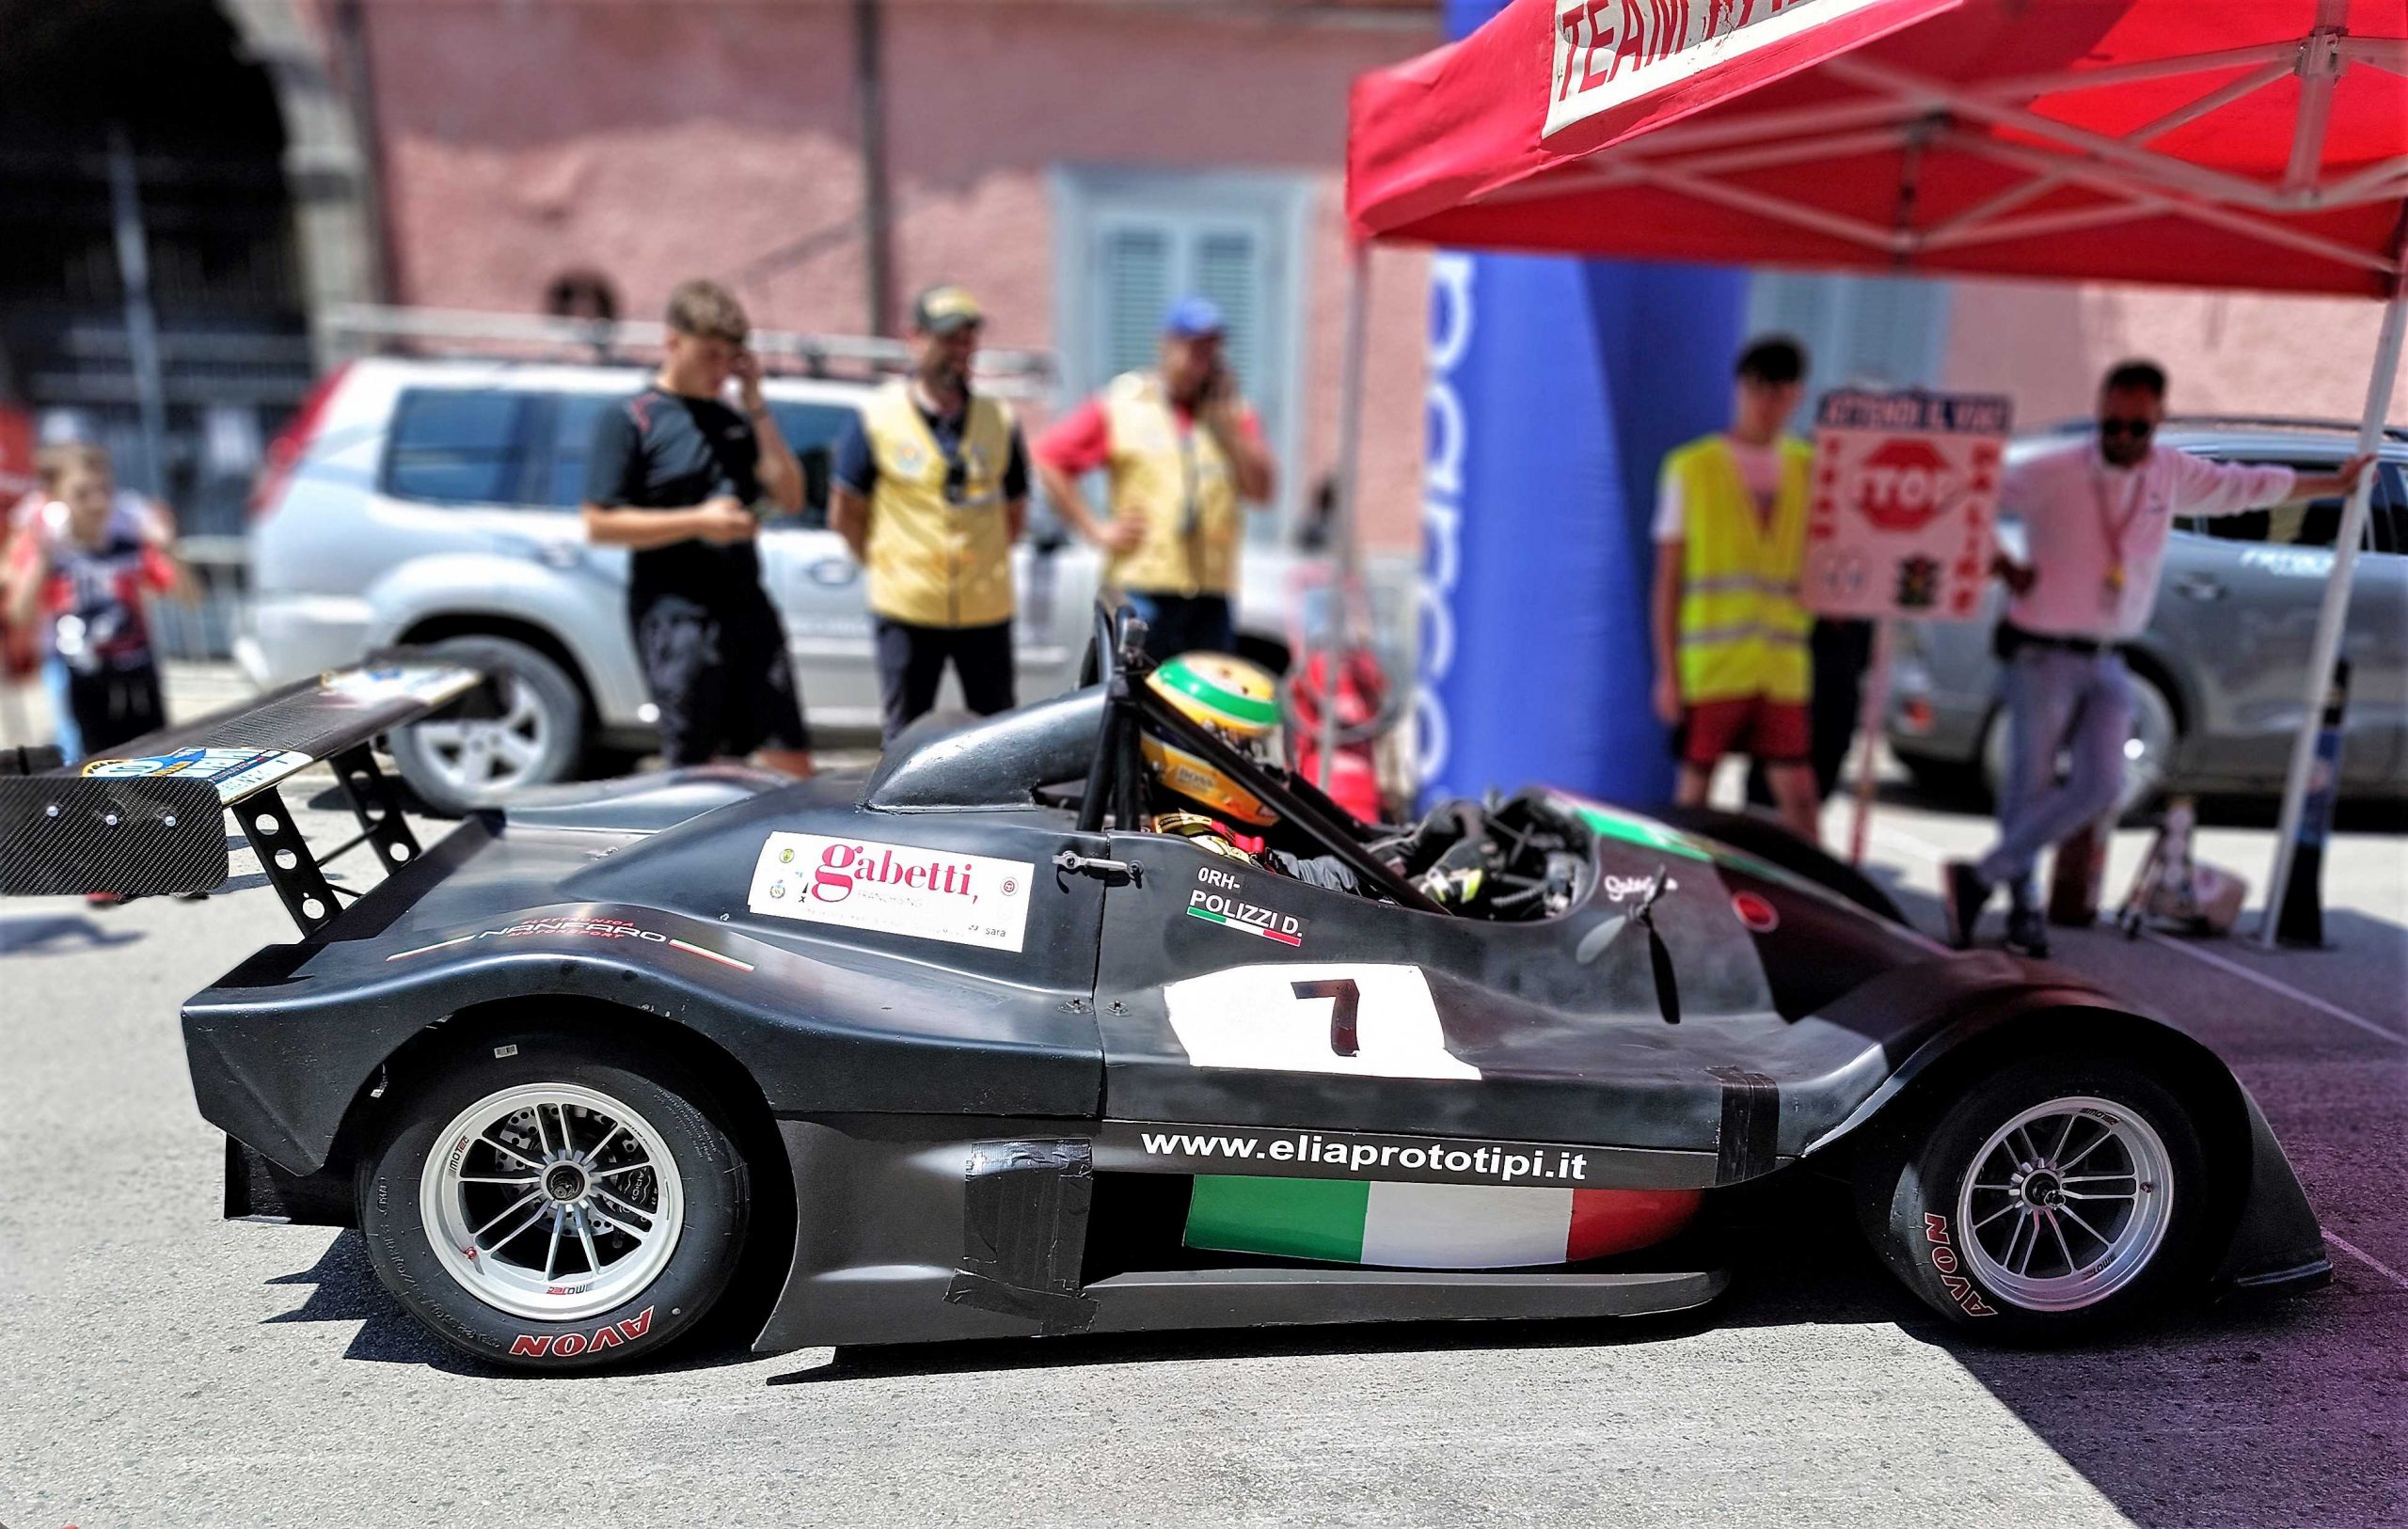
(842, 865)
(894, 888)
(570, 1344)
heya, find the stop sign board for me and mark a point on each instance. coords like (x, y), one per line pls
(1905, 492)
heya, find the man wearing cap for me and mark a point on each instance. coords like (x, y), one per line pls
(1181, 451)
(932, 490)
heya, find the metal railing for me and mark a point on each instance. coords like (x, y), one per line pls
(205, 630)
(362, 329)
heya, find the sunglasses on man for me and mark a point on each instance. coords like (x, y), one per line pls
(2137, 429)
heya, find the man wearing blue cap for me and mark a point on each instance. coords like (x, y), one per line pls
(1182, 453)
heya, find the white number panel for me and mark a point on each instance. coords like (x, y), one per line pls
(1374, 1021)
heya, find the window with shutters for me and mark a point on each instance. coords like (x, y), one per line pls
(1127, 244)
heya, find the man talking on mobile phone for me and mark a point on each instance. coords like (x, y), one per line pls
(684, 480)
(1182, 453)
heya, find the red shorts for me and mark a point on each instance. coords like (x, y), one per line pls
(1774, 731)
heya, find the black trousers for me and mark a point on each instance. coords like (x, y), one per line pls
(912, 660)
(720, 677)
(116, 707)
(1842, 650)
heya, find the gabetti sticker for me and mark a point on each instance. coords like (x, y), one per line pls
(1372, 1020)
(893, 890)
(235, 772)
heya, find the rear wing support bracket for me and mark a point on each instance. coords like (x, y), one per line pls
(291, 868)
(378, 806)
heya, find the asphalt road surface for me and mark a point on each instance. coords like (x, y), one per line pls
(159, 1366)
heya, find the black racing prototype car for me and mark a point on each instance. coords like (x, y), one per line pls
(964, 1051)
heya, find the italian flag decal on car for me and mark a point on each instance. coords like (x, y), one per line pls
(1427, 1225)
(1227, 922)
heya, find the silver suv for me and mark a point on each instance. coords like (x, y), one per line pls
(435, 501)
(2219, 674)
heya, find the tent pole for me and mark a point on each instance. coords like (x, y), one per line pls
(2329, 620)
(1346, 569)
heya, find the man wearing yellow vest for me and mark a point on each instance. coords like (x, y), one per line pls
(931, 491)
(1731, 667)
(1183, 454)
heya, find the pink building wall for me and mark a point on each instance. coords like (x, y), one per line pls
(654, 142)
(2225, 352)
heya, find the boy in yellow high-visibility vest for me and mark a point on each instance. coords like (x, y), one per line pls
(1731, 664)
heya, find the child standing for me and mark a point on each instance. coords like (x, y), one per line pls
(80, 567)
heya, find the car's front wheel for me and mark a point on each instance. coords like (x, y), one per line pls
(2050, 1198)
(542, 1205)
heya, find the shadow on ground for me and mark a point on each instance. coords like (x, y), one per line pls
(56, 933)
(346, 1290)
(2271, 1410)
(2246, 1412)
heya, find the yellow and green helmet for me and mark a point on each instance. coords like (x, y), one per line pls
(1229, 695)
(1235, 699)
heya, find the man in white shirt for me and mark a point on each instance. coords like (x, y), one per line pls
(2096, 518)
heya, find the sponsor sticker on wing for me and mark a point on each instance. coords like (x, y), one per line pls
(429, 685)
(893, 890)
(235, 772)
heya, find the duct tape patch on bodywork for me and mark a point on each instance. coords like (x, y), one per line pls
(1024, 1227)
(1749, 1141)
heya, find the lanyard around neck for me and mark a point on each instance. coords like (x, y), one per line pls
(2112, 526)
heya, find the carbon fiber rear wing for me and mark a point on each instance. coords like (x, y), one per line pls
(148, 818)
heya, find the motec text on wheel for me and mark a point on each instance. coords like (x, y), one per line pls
(2051, 1199)
(544, 1205)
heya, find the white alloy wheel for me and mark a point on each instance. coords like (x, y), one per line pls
(551, 1201)
(2066, 1204)
(488, 756)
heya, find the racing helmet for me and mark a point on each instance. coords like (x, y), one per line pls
(1237, 700)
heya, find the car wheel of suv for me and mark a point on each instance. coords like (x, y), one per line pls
(2147, 755)
(548, 1205)
(456, 764)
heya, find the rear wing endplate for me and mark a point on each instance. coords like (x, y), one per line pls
(147, 819)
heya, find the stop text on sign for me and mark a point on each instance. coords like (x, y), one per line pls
(1904, 483)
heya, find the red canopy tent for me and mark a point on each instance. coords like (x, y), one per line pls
(2258, 144)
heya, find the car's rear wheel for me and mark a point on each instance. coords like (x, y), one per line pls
(544, 1204)
(2148, 753)
(458, 763)
(2052, 1198)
